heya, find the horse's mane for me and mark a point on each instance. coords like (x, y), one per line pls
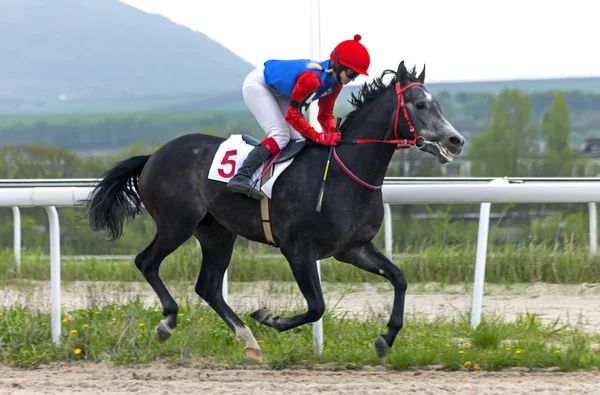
(370, 91)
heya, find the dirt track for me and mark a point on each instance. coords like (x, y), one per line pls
(161, 379)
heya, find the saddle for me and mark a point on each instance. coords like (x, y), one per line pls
(293, 148)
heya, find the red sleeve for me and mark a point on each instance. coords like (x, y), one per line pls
(326, 104)
(308, 81)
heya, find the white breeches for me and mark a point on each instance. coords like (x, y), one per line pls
(269, 108)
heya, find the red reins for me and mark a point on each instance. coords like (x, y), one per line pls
(400, 143)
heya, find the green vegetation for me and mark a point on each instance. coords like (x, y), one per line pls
(470, 113)
(124, 334)
(506, 264)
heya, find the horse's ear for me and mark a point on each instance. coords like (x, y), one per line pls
(421, 76)
(402, 74)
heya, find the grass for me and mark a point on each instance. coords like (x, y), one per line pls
(523, 263)
(123, 335)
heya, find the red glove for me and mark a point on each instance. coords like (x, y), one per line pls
(328, 138)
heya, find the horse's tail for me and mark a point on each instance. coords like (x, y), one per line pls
(116, 197)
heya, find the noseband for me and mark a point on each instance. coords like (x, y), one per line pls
(417, 141)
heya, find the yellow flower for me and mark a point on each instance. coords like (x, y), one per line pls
(180, 314)
(74, 331)
(557, 351)
(85, 325)
(507, 348)
(77, 351)
(467, 363)
(518, 351)
(141, 324)
(114, 319)
(97, 312)
(461, 352)
(476, 366)
(65, 320)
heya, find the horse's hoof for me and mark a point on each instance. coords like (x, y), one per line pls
(381, 347)
(253, 354)
(163, 332)
(262, 316)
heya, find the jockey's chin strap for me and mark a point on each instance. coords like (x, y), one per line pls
(417, 141)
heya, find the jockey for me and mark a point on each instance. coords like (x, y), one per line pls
(278, 94)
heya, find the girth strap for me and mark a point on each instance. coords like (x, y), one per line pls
(264, 207)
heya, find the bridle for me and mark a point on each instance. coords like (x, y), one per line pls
(417, 141)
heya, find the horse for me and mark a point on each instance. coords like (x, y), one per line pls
(173, 187)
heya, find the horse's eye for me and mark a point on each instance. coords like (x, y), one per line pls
(421, 105)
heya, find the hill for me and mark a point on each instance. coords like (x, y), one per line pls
(104, 56)
(57, 52)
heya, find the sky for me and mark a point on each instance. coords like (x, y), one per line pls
(458, 40)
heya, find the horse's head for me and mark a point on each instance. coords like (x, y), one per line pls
(430, 130)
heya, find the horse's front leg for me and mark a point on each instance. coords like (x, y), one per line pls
(304, 268)
(369, 258)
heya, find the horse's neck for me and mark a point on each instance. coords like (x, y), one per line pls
(371, 160)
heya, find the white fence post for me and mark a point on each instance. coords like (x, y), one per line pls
(17, 237)
(387, 218)
(318, 325)
(226, 286)
(54, 227)
(593, 230)
(482, 242)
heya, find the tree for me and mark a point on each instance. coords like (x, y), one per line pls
(556, 131)
(510, 138)
(37, 161)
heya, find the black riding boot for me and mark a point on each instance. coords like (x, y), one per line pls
(242, 181)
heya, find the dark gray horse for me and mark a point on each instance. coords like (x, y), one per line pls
(172, 185)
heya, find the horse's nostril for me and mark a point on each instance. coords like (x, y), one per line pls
(457, 141)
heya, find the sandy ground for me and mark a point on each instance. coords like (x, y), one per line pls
(574, 304)
(160, 379)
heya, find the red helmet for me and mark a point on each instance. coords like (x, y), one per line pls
(353, 54)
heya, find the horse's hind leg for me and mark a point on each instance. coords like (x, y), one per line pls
(369, 258)
(217, 246)
(171, 232)
(306, 274)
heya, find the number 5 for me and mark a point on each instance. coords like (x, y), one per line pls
(228, 161)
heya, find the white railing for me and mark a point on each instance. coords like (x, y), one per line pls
(61, 193)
